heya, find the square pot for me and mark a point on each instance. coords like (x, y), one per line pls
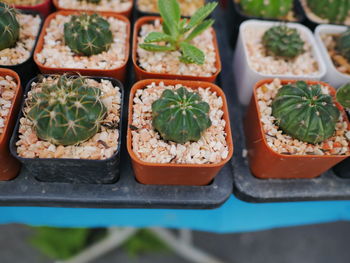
(176, 174)
(44, 8)
(265, 163)
(333, 76)
(246, 76)
(143, 74)
(9, 167)
(118, 73)
(65, 170)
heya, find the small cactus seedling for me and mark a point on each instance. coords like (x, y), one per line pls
(343, 45)
(343, 96)
(180, 115)
(67, 112)
(335, 11)
(178, 33)
(266, 8)
(9, 26)
(304, 113)
(283, 41)
(88, 34)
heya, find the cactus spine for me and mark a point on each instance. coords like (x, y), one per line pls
(304, 113)
(9, 26)
(266, 8)
(343, 95)
(343, 45)
(88, 34)
(335, 11)
(180, 115)
(66, 112)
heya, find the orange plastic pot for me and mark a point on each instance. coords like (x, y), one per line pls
(117, 73)
(266, 163)
(9, 166)
(142, 74)
(126, 13)
(177, 174)
(44, 8)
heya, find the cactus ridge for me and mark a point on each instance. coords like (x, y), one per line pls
(343, 45)
(180, 115)
(343, 95)
(266, 8)
(88, 34)
(67, 112)
(335, 11)
(9, 26)
(304, 113)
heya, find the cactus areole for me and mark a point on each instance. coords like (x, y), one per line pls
(68, 112)
(180, 115)
(266, 8)
(343, 45)
(88, 34)
(335, 11)
(304, 113)
(9, 26)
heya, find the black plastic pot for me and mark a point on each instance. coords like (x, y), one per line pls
(27, 69)
(76, 171)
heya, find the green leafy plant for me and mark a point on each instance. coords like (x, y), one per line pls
(343, 45)
(180, 115)
(343, 95)
(177, 34)
(283, 41)
(335, 11)
(9, 26)
(66, 112)
(266, 9)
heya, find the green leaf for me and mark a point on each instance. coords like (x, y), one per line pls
(201, 14)
(170, 12)
(182, 26)
(157, 37)
(155, 48)
(200, 29)
(191, 54)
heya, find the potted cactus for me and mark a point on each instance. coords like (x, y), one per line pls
(89, 43)
(178, 132)
(296, 129)
(70, 130)
(40, 6)
(175, 48)
(273, 50)
(19, 33)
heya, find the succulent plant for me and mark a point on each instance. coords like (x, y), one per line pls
(304, 113)
(180, 115)
(283, 41)
(66, 112)
(335, 11)
(343, 96)
(266, 8)
(88, 34)
(9, 26)
(343, 45)
(178, 33)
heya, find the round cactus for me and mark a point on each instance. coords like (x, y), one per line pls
(9, 26)
(335, 11)
(304, 113)
(67, 112)
(266, 8)
(343, 45)
(343, 96)
(88, 34)
(283, 41)
(180, 115)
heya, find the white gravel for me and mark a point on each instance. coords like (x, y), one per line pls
(104, 5)
(8, 88)
(188, 7)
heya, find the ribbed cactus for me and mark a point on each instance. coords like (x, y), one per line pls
(335, 11)
(283, 41)
(343, 45)
(343, 95)
(9, 26)
(180, 115)
(266, 8)
(67, 112)
(88, 34)
(304, 113)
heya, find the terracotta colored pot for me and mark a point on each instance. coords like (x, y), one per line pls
(44, 8)
(142, 74)
(9, 166)
(118, 73)
(266, 163)
(177, 174)
(126, 13)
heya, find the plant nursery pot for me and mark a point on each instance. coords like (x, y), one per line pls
(143, 74)
(246, 76)
(76, 171)
(9, 166)
(44, 8)
(176, 174)
(333, 75)
(268, 164)
(118, 73)
(343, 169)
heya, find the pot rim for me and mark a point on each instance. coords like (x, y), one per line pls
(44, 3)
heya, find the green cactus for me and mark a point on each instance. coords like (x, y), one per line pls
(335, 11)
(9, 26)
(67, 112)
(343, 96)
(283, 41)
(88, 34)
(343, 45)
(304, 113)
(266, 8)
(180, 115)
